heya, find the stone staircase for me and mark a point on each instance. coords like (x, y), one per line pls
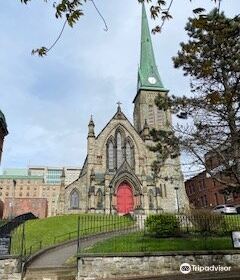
(56, 273)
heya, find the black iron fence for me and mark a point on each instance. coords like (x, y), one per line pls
(168, 232)
(86, 225)
(100, 234)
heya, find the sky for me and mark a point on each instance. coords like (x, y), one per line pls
(48, 101)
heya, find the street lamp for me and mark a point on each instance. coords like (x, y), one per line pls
(177, 199)
(110, 199)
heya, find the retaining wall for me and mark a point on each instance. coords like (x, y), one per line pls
(153, 264)
(9, 268)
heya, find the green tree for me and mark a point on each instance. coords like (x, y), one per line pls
(211, 58)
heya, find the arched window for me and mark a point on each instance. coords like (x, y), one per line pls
(151, 200)
(110, 156)
(129, 154)
(74, 199)
(119, 150)
(99, 199)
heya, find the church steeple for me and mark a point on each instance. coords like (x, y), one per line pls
(148, 75)
(149, 86)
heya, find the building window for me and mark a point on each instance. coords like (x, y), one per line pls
(216, 198)
(151, 200)
(130, 153)
(110, 156)
(161, 190)
(165, 190)
(74, 199)
(119, 150)
(99, 199)
(205, 200)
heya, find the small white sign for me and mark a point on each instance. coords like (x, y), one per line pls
(236, 239)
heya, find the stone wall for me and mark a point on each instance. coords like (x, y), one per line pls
(8, 269)
(91, 268)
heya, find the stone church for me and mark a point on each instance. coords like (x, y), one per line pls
(117, 175)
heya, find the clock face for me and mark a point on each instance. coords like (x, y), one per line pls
(152, 80)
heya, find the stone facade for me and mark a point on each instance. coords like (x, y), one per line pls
(8, 269)
(93, 268)
(117, 175)
(97, 179)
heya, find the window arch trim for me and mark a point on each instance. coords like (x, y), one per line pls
(74, 199)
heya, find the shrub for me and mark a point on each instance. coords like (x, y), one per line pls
(162, 225)
(207, 222)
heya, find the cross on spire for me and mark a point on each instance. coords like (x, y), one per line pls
(119, 106)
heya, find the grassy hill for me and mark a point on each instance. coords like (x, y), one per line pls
(42, 233)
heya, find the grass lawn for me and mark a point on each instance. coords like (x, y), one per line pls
(137, 242)
(232, 222)
(44, 232)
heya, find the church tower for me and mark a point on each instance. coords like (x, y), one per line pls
(149, 86)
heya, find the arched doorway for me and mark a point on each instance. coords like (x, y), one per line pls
(125, 202)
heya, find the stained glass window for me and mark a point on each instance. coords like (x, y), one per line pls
(74, 199)
(151, 202)
(99, 199)
(110, 156)
(119, 150)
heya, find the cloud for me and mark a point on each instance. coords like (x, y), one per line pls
(48, 102)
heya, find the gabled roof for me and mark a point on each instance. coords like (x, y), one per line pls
(119, 115)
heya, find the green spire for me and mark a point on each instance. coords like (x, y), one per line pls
(148, 76)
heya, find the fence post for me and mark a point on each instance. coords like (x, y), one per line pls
(22, 249)
(78, 235)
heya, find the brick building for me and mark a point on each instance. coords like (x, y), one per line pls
(204, 191)
(38, 206)
(35, 183)
(3, 131)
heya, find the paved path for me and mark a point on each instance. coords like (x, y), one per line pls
(56, 257)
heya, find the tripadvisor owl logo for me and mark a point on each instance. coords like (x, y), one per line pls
(185, 268)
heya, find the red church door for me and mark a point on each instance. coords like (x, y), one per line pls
(124, 198)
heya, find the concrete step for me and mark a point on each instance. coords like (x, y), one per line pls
(51, 273)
